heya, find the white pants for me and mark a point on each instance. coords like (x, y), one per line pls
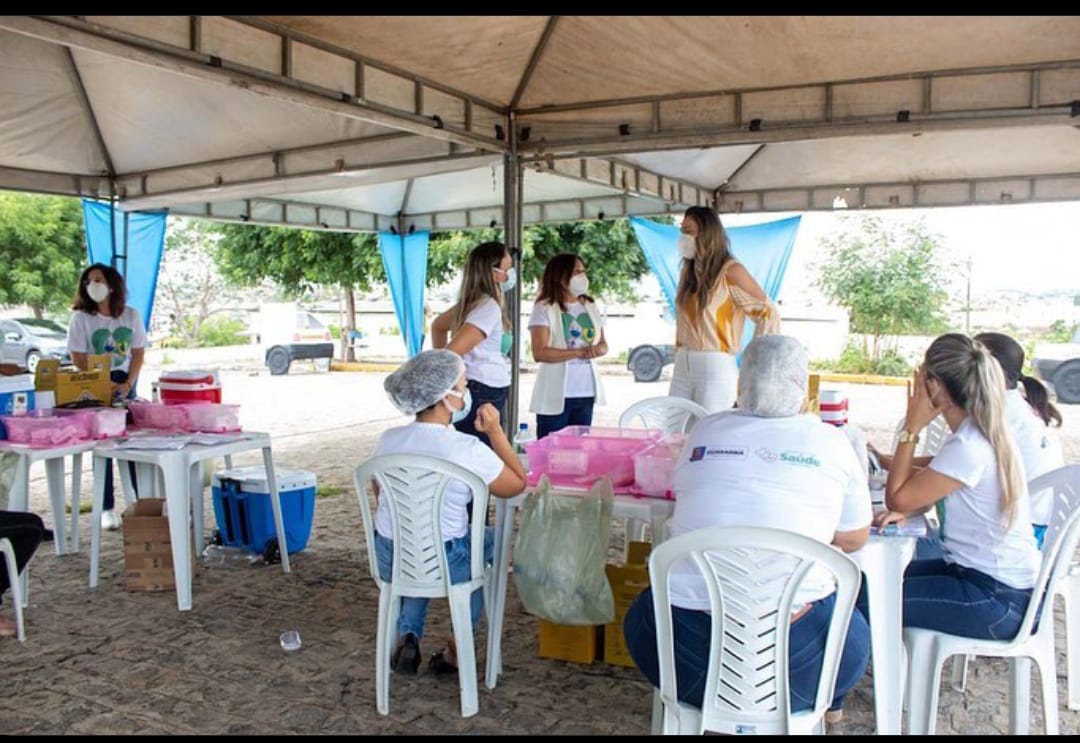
(707, 377)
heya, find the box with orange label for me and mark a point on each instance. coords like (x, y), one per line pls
(71, 385)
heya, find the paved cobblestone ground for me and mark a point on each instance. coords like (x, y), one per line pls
(112, 662)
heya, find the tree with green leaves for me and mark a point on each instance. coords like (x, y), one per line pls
(190, 287)
(889, 277)
(43, 250)
(610, 251)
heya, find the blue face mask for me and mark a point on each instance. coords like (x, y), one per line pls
(511, 280)
(456, 416)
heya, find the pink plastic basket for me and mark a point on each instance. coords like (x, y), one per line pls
(655, 466)
(43, 428)
(212, 417)
(578, 456)
(104, 422)
(156, 415)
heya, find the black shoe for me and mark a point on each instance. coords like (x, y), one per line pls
(440, 666)
(47, 535)
(406, 658)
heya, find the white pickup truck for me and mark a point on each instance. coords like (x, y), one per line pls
(1058, 364)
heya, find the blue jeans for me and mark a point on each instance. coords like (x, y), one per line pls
(962, 601)
(577, 411)
(481, 394)
(458, 559)
(806, 653)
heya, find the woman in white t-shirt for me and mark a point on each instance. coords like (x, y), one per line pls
(1031, 418)
(567, 334)
(103, 323)
(982, 586)
(764, 465)
(432, 386)
(481, 331)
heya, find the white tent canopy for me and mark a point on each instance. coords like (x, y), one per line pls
(366, 122)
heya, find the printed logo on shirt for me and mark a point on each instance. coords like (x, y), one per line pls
(799, 458)
(721, 452)
(765, 454)
(1044, 443)
(116, 343)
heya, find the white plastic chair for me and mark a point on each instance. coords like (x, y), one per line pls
(752, 575)
(928, 649)
(667, 414)
(1063, 480)
(415, 486)
(18, 597)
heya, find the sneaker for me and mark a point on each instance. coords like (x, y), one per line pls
(406, 658)
(110, 520)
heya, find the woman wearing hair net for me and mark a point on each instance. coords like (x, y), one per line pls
(431, 385)
(764, 464)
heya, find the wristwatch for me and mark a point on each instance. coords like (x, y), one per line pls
(907, 436)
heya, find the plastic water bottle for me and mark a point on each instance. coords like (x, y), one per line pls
(524, 436)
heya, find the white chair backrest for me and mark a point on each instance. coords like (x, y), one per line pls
(1062, 535)
(415, 486)
(667, 414)
(752, 575)
(930, 440)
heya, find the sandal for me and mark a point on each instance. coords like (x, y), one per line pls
(440, 666)
(8, 627)
(406, 658)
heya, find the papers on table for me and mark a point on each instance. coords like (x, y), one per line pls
(210, 439)
(174, 441)
(913, 527)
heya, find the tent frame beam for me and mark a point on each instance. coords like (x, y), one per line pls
(77, 33)
(534, 61)
(88, 109)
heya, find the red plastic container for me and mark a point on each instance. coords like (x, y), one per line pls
(189, 386)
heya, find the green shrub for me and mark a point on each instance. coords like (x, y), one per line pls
(854, 360)
(221, 331)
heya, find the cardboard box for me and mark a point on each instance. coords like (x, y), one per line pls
(813, 394)
(70, 386)
(572, 643)
(627, 583)
(148, 558)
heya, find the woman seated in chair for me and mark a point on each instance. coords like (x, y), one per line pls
(1029, 415)
(764, 465)
(432, 386)
(982, 585)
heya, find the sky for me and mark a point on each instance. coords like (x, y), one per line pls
(1023, 247)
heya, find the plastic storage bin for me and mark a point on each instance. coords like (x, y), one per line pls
(212, 418)
(44, 428)
(578, 456)
(197, 385)
(655, 466)
(159, 415)
(245, 517)
(104, 422)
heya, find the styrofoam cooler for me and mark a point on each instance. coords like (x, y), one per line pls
(16, 394)
(244, 515)
(197, 385)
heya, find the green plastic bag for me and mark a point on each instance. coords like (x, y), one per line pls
(560, 554)
(9, 462)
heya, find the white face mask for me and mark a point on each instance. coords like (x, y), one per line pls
(579, 284)
(687, 246)
(511, 279)
(97, 290)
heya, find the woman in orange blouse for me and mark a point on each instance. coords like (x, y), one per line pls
(716, 295)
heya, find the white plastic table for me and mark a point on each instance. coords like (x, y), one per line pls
(53, 457)
(181, 475)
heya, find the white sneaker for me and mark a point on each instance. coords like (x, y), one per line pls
(110, 520)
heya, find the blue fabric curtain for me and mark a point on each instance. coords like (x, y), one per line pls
(135, 252)
(404, 258)
(763, 248)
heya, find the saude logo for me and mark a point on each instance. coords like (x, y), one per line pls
(803, 460)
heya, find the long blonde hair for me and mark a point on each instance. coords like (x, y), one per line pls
(477, 281)
(697, 282)
(974, 380)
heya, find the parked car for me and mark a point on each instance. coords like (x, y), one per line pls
(27, 340)
(1058, 364)
(288, 334)
(647, 361)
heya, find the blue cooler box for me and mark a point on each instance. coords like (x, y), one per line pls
(244, 515)
(16, 397)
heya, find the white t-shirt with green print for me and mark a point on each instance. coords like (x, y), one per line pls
(115, 336)
(578, 331)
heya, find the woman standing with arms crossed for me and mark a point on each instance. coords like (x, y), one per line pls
(567, 333)
(481, 335)
(716, 294)
(103, 323)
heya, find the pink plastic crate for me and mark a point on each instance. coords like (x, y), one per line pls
(104, 422)
(579, 456)
(43, 428)
(157, 415)
(212, 417)
(616, 440)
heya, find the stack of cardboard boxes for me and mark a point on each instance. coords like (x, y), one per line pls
(148, 559)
